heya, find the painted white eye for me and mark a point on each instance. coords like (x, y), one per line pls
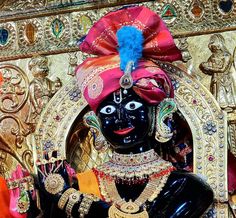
(133, 105)
(109, 109)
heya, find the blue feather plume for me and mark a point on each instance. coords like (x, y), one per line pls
(130, 41)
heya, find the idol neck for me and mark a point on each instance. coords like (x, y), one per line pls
(136, 149)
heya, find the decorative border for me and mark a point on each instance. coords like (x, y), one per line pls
(184, 25)
(59, 114)
(201, 110)
(50, 9)
(222, 210)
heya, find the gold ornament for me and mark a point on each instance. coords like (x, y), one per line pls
(164, 110)
(90, 120)
(114, 212)
(26, 182)
(121, 208)
(54, 183)
(138, 166)
(133, 167)
(86, 204)
(126, 81)
(23, 202)
(130, 209)
(73, 199)
(64, 198)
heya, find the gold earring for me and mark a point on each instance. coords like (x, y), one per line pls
(90, 120)
(164, 110)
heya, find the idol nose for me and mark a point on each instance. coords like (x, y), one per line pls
(122, 116)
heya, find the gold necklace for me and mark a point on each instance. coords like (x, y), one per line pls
(145, 167)
(132, 168)
(121, 208)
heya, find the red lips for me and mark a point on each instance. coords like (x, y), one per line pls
(123, 131)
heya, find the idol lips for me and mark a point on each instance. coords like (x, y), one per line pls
(123, 131)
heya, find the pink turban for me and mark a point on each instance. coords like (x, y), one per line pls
(99, 76)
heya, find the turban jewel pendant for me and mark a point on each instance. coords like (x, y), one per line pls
(126, 81)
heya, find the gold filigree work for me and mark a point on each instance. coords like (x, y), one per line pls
(14, 88)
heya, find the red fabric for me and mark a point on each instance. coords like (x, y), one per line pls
(4, 200)
(231, 172)
(158, 42)
(98, 77)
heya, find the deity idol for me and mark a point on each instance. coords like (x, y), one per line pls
(130, 94)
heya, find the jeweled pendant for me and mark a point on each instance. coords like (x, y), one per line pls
(54, 183)
(126, 81)
(129, 207)
(114, 212)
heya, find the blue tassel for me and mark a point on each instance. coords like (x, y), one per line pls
(130, 41)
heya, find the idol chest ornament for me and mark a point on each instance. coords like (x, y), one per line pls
(146, 167)
(137, 208)
(53, 181)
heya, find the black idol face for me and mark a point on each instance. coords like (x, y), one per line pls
(124, 119)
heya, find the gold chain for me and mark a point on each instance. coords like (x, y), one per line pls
(122, 208)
